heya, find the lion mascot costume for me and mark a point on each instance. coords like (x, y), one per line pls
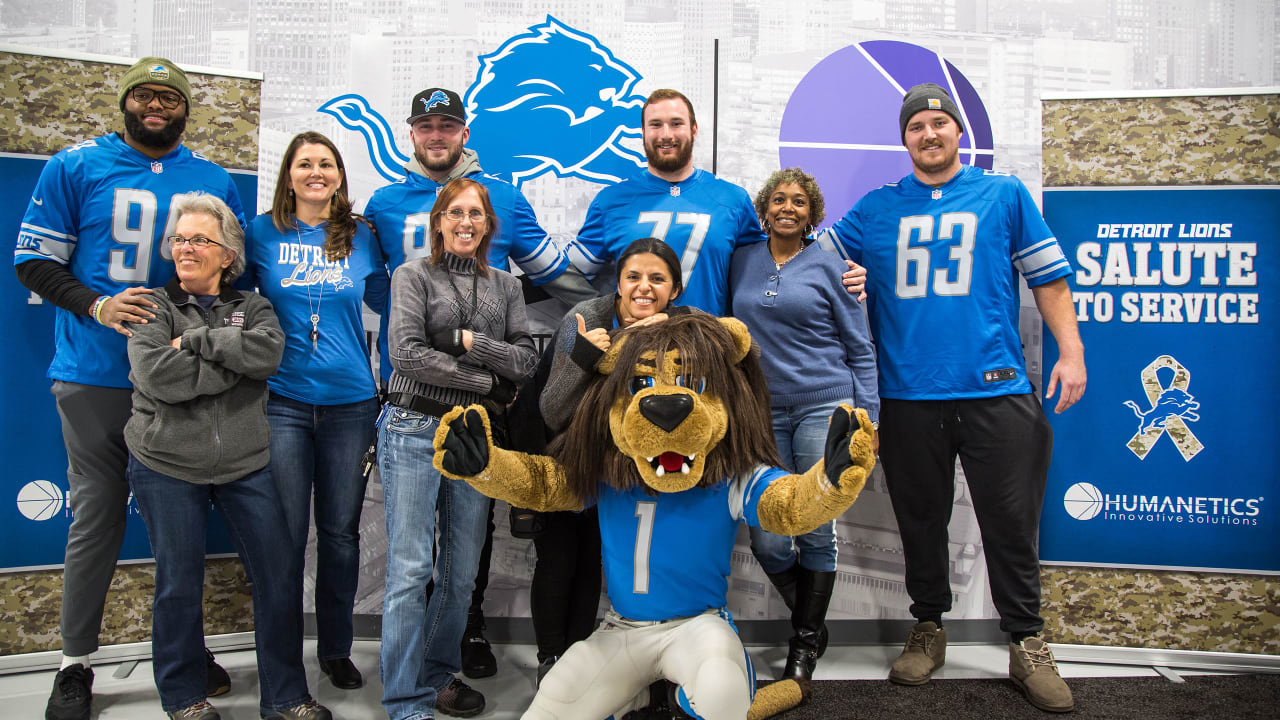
(673, 443)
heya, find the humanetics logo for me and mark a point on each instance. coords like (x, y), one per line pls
(841, 122)
(552, 99)
(40, 500)
(1084, 501)
(1171, 408)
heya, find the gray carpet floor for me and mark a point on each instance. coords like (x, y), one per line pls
(1231, 697)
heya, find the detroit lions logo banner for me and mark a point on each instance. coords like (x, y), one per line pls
(549, 100)
(1170, 459)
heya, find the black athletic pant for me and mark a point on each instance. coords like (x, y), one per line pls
(565, 594)
(1004, 445)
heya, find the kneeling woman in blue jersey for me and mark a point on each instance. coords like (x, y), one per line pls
(198, 434)
(316, 261)
(457, 334)
(816, 353)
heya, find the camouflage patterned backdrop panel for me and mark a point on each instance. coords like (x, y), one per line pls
(30, 603)
(1219, 140)
(53, 102)
(49, 104)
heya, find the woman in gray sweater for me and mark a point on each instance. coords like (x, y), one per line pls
(198, 434)
(457, 334)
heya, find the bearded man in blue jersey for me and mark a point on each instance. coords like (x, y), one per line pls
(91, 244)
(943, 248)
(702, 217)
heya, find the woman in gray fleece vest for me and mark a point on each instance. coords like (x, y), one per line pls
(457, 334)
(199, 433)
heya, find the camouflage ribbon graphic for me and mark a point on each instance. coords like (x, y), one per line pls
(1145, 439)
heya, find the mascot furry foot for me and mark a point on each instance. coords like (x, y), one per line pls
(673, 443)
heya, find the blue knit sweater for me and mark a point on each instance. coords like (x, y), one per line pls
(813, 335)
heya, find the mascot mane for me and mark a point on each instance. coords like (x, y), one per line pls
(703, 347)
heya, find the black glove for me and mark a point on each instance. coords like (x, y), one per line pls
(466, 446)
(448, 341)
(503, 391)
(837, 449)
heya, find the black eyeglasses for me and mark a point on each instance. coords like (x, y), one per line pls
(456, 215)
(198, 241)
(168, 100)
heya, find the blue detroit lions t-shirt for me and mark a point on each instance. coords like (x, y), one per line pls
(289, 269)
(702, 218)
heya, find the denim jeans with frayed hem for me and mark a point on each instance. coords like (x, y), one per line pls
(421, 641)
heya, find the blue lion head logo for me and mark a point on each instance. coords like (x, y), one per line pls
(437, 98)
(554, 99)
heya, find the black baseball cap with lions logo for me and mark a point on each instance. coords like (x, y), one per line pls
(437, 101)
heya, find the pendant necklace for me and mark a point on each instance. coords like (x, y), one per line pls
(315, 311)
(788, 259)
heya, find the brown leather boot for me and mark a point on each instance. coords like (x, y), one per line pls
(1033, 669)
(925, 651)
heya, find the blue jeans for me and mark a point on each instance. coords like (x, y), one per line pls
(318, 448)
(175, 513)
(801, 434)
(421, 641)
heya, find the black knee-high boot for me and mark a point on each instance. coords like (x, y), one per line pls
(813, 595)
(785, 582)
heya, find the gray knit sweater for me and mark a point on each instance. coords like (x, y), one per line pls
(424, 301)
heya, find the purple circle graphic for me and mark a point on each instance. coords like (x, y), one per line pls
(841, 122)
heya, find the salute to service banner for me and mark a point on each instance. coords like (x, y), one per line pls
(1170, 459)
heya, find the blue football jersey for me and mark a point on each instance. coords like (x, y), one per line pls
(667, 556)
(289, 269)
(101, 208)
(942, 281)
(401, 212)
(702, 218)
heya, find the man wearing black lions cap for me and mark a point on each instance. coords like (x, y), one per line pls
(941, 247)
(401, 212)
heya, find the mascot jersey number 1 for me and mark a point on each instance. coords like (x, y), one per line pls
(686, 454)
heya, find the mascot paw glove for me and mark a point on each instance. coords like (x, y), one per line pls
(849, 457)
(462, 442)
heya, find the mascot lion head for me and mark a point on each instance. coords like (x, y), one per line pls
(687, 405)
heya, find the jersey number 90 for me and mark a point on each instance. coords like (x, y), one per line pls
(133, 222)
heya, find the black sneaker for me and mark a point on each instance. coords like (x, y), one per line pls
(460, 700)
(217, 681)
(477, 657)
(72, 694)
(199, 711)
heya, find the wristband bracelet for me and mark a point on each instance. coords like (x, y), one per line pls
(96, 310)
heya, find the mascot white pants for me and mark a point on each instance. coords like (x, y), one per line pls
(599, 676)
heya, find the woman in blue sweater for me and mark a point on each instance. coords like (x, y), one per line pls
(316, 262)
(816, 353)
